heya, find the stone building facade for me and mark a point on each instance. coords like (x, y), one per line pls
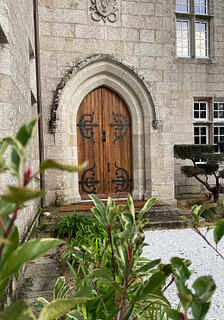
(162, 58)
(17, 86)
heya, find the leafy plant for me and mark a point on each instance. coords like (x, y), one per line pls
(131, 287)
(12, 255)
(82, 230)
(209, 167)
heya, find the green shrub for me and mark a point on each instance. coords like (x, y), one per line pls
(13, 255)
(131, 287)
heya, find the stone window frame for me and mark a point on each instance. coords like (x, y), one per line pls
(205, 121)
(210, 121)
(218, 122)
(192, 18)
(200, 134)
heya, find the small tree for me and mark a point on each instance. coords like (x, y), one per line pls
(208, 166)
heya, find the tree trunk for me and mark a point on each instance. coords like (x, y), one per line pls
(215, 194)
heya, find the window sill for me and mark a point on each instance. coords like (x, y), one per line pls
(200, 121)
(205, 60)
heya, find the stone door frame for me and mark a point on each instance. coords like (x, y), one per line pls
(120, 77)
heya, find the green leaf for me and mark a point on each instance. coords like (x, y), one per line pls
(18, 155)
(131, 206)
(58, 286)
(104, 277)
(110, 204)
(100, 206)
(186, 299)
(58, 308)
(113, 313)
(148, 287)
(98, 216)
(125, 235)
(204, 288)
(6, 208)
(41, 304)
(128, 219)
(78, 283)
(66, 290)
(181, 272)
(75, 315)
(148, 266)
(147, 206)
(23, 254)
(199, 309)
(128, 313)
(174, 314)
(157, 298)
(19, 310)
(82, 256)
(121, 208)
(51, 164)
(3, 166)
(27, 131)
(3, 147)
(13, 237)
(218, 231)
(21, 195)
(112, 214)
(5, 241)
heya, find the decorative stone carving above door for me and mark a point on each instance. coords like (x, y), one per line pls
(104, 10)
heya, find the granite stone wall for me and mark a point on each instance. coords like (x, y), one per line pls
(17, 82)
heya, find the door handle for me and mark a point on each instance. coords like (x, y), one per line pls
(104, 136)
(108, 166)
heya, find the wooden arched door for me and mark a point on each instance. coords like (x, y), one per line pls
(104, 139)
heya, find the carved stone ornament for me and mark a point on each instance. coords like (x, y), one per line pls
(157, 124)
(105, 10)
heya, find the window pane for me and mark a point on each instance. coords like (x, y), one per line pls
(178, 24)
(216, 130)
(182, 37)
(203, 106)
(203, 140)
(185, 25)
(196, 140)
(182, 5)
(203, 131)
(222, 131)
(196, 114)
(203, 114)
(196, 131)
(201, 6)
(197, 10)
(219, 110)
(196, 106)
(201, 42)
(203, 10)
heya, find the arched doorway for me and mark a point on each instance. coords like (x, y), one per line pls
(104, 139)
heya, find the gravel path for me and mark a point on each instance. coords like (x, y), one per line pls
(187, 244)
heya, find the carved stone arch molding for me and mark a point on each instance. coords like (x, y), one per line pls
(104, 70)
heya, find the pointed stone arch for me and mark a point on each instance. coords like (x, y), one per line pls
(104, 70)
